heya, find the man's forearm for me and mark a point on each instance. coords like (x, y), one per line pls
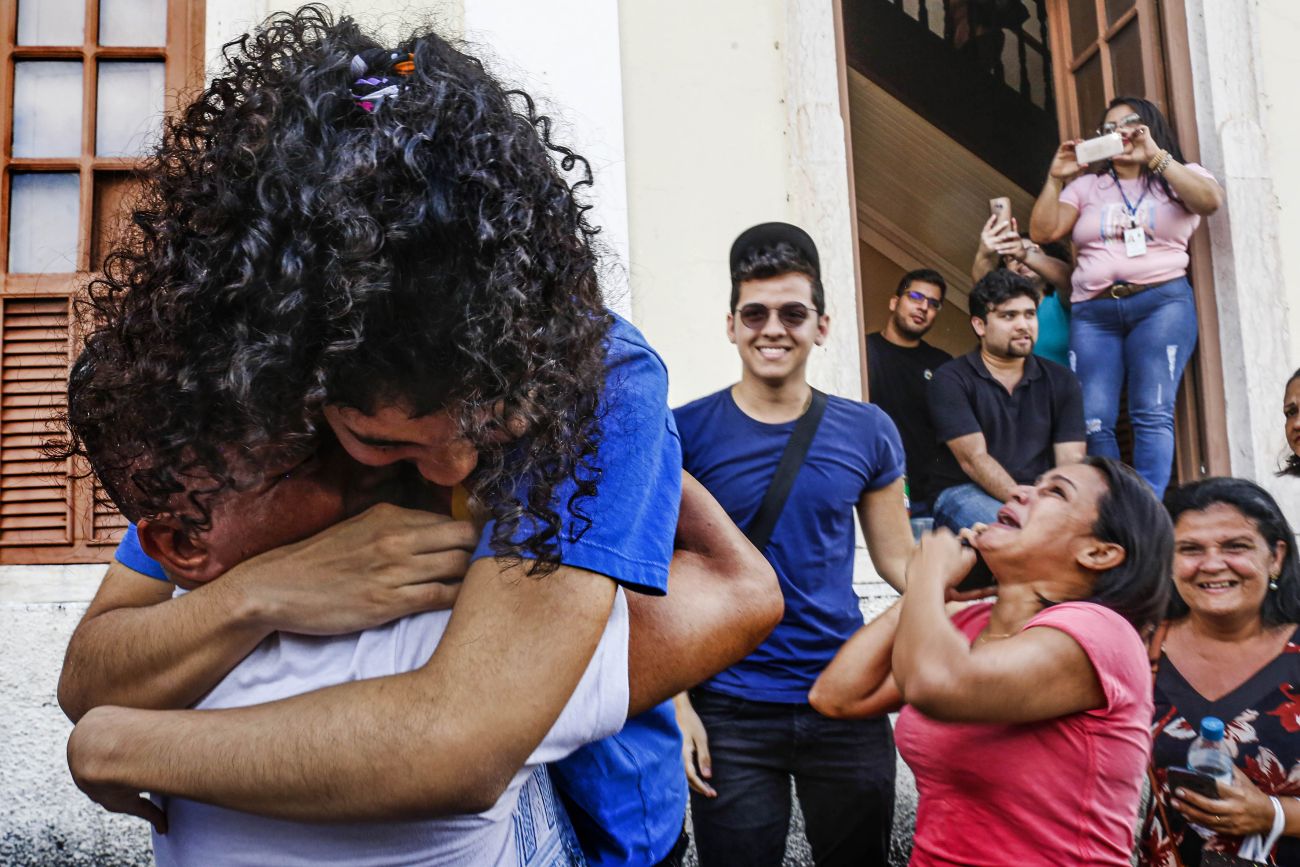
(985, 471)
(164, 655)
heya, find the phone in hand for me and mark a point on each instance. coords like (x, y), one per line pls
(1103, 147)
(1192, 781)
(1001, 208)
(979, 576)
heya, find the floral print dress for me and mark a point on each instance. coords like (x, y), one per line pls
(1262, 722)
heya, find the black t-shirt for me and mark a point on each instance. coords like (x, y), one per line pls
(897, 377)
(1019, 429)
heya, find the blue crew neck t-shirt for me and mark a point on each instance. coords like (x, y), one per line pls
(856, 449)
(626, 794)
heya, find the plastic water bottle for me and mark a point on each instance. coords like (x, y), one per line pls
(1209, 755)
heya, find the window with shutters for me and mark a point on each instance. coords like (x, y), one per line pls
(83, 88)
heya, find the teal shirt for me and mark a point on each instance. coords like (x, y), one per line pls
(1053, 331)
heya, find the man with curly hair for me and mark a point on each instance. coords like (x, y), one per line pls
(380, 239)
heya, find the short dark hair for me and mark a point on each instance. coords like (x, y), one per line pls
(1291, 466)
(1129, 515)
(922, 275)
(774, 260)
(998, 287)
(1281, 605)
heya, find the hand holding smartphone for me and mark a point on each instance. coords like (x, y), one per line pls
(1192, 781)
(1103, 147)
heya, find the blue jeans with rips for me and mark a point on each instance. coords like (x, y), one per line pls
(961, 506)
(1144, 340)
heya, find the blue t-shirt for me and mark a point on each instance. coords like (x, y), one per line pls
(626, 794)
(856, 449)
(1053, 330)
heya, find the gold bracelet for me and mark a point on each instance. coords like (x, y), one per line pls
(1160, 162)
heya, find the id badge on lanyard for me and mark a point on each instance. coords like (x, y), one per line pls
(1135, 241)
(1135, 237)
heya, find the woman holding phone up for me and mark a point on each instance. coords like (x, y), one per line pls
(1027, 719)
(1133, 318)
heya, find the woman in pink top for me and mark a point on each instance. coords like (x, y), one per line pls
(1133, 317)
(1027, 719)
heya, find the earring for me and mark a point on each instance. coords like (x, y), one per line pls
(1272, 581)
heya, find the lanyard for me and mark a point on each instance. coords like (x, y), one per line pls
(1130, 207)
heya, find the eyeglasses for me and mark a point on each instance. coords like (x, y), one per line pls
(1131, 120)
(922, 298)
(791, 315)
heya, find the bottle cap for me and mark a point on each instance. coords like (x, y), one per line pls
(1212, 728)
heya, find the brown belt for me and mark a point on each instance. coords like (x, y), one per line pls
(1124, 290)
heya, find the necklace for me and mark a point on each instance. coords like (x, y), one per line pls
(985, 635)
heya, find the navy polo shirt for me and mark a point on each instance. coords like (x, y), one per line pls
(1020, 428)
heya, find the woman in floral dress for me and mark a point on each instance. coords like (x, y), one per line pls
(1230, 649)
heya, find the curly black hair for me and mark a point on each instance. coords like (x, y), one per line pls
(998, 287)
(293, 248)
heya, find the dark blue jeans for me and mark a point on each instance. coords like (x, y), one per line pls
(1144, 339)
(843, 773)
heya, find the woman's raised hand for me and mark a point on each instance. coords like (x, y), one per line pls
(1145, 148)
(940, 557)
(1065, 164)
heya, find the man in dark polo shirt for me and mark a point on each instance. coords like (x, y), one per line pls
(900, 366)
(1006, 415)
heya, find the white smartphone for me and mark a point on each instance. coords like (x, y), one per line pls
(1103, 147)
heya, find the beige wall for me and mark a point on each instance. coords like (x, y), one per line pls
(227, 19)
(1280, 72)
(731, 118)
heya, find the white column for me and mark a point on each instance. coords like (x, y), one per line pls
(817, 180)
(565, 53)
(1253, 300)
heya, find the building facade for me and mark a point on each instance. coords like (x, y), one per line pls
(855, 119)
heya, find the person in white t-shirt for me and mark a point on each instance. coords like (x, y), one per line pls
(526, 826)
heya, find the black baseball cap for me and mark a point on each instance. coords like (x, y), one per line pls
(771, 234)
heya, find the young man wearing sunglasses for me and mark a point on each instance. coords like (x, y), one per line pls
(748, 730)
(899, 368)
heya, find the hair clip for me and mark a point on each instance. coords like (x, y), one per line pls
(370, 91)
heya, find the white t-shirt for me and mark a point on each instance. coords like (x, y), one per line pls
(284, 665)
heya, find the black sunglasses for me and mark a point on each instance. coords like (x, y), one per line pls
(792, 315)
(919, 297)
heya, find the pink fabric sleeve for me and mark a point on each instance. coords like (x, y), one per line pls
(971, 619)
(1111, 643)
(1077, 190)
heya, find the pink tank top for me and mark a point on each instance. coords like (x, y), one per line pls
(1062, 791)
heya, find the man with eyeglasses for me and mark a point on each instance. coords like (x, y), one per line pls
(749, 730)
(900, 366)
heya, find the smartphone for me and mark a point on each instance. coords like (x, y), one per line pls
(1192, 781)
(1103, 147)
(1001, 208)
(979, 575)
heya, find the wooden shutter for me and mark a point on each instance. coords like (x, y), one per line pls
(76, 186)
(35, 495)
